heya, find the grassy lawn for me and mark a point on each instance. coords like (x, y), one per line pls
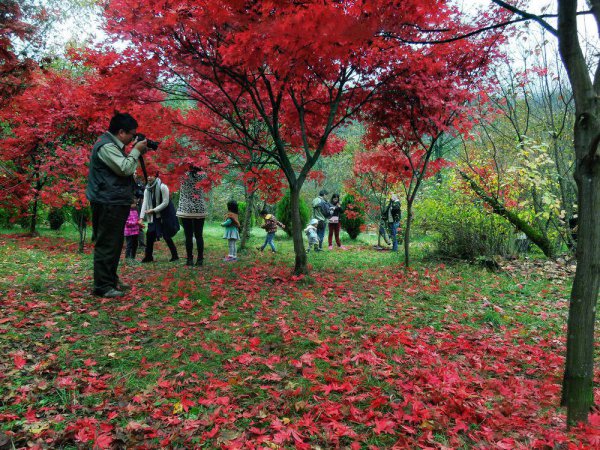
(360, 354)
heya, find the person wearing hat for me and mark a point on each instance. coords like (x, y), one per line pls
(156, 199)
(311, 234)
(321, 211)
(110, 191)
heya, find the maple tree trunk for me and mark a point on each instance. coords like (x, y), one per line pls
(300, 267)
(34, 212)
(247, 220)
(577, 394)
(407, 233)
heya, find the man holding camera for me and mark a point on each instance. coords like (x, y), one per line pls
(110, 191)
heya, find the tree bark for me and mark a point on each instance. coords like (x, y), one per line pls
(407, 233)
(300, 267)
(247, 220)
(578, 378)
(577, 393)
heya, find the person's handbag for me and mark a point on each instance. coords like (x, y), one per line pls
(170, 222)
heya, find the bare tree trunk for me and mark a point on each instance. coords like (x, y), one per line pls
(34, 212)
(578, 395)
(409, 216)
(247, 220)
(300, 267)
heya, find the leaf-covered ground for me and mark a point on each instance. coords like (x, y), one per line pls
(361, 354)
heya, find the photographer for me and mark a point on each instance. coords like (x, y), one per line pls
(110, 191)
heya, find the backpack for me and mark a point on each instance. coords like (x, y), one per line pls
(326, 208)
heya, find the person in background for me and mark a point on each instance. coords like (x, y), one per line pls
(334, 222)
(156, 199)
(139, 199)
(313, 237)
(392, 214)
(319, 205)
(270, 226)
(132, 232)
(192, 212)
(110, 191)
(232, 229)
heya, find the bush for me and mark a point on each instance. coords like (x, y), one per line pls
(353, 218)
(56, 217)
(284, 213)
(6, 216)
(464, 228)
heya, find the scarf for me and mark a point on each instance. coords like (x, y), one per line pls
(234, 219)
(154, 189)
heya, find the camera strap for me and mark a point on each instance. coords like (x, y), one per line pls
(143, 166)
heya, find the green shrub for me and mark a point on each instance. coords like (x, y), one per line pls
(56, 217)
(6, 215)
(463, 228)
(284, 213)
(353, 218)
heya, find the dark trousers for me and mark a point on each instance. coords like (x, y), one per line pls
(321, 234)
(193, 228)
(108, 226)
(334, 228)
(131, 245)
(151, 239)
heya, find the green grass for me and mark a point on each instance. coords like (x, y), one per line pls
(259, 344)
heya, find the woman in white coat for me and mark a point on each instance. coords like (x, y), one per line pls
(156, 199)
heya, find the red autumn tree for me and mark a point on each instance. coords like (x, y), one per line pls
(281, 63)
(415, 110)
(14, 70)
(45, 149)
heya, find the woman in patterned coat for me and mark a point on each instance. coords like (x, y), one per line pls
(192, 212)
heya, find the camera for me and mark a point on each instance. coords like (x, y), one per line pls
(152, 145)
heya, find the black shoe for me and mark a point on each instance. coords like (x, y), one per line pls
(200, 262)
(189, 262)
(111, 293)
(122, 286)
(174, 258)
(147, 259)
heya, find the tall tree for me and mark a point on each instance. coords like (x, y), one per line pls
(584, 76)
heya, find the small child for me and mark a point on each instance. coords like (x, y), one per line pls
(270, 226)
(232, 229)
(132, 231)
(311, 234)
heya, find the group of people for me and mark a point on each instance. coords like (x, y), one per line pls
(390, 222)
(324, 213)
(122, 208)
(117, 216)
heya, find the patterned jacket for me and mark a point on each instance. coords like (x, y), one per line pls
(271, 224)
(191, 198)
